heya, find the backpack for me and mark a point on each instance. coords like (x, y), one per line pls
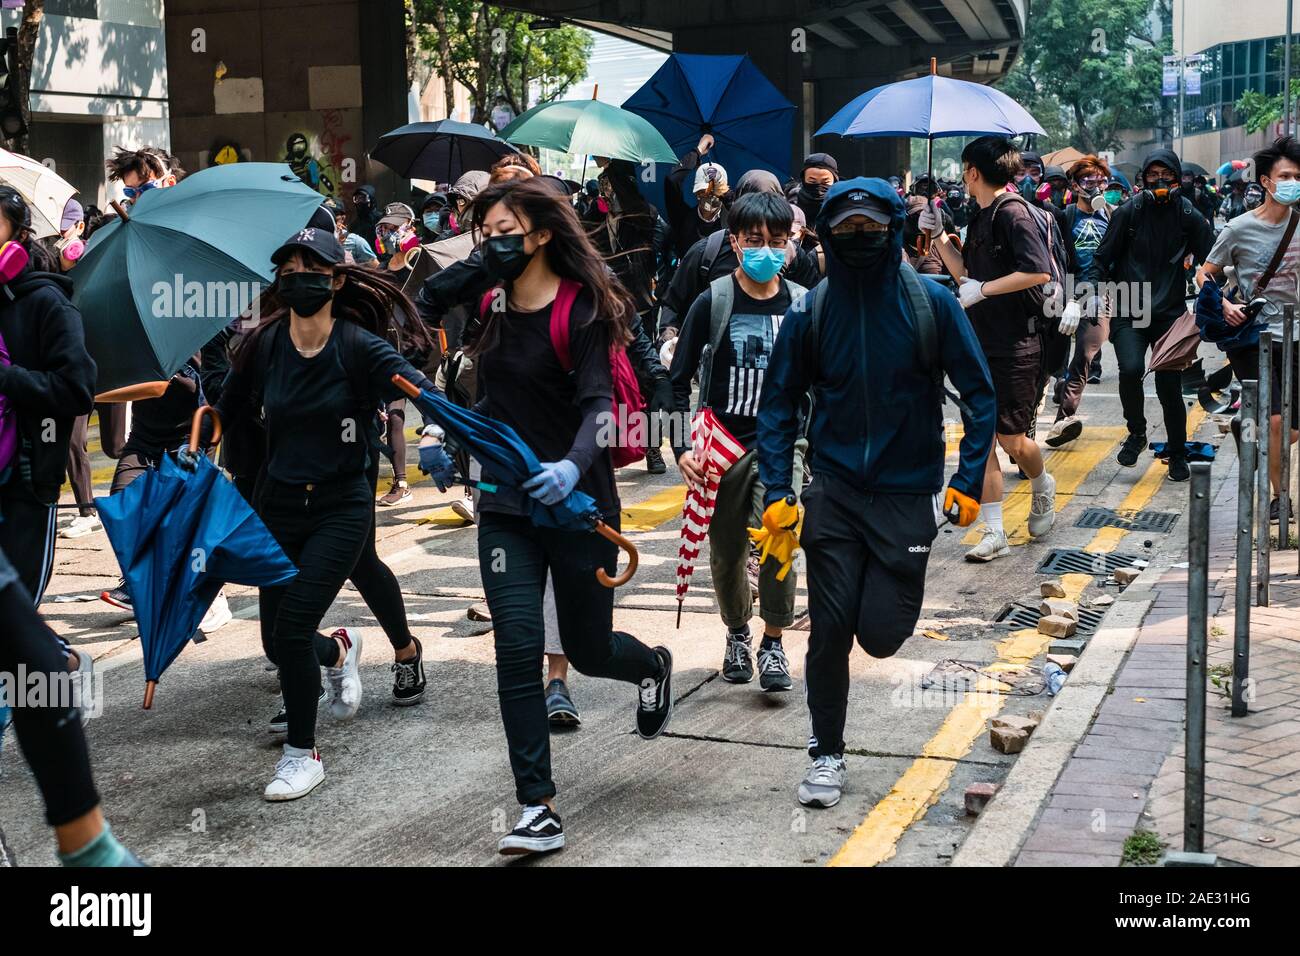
(1058, 255)
(1185, 221)
(628, 406)
(8, 423)
(712, 249)
(721, 302)
(927, 333)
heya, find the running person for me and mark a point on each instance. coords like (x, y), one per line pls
(317, 381)
(533, 242)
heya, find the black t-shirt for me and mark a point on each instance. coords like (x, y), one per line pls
(317, 428)
(1012, 242)
(164, 423)
(740, 365)
(521, 383)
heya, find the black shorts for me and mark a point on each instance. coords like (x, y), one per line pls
(1017, 385)
(1245, 364)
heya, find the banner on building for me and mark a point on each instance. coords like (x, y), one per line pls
(1170, 85)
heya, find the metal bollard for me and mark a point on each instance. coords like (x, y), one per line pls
(1288, 415)
(1198, 578)
(1245, 529)
(1263, 532)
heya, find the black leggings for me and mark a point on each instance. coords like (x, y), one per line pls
(514, 557)
(1131, 344)
(51, 737)
(322, 529)
(397, 437)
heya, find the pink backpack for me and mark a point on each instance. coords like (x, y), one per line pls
(628, 406)
(8, 422)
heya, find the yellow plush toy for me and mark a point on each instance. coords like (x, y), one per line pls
(779, 536)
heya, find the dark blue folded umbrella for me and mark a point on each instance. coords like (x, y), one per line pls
(1196, 450)
(180, 532)
(510, 462)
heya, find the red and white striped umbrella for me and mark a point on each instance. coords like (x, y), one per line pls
(716, 450)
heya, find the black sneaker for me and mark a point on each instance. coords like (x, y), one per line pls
(1178, 470)
(1275, 511)
(1094, 378)
(560, 708)
(118, 597)
(1133, 446)
(655, 701)
(737, 667)
(773, 668)
(408, 678)
(538, 831)
(279, 725)
(654, 461)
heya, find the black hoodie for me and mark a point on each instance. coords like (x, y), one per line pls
(1146, 242)
(52, 378)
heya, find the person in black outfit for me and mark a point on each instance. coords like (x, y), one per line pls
(317, 373)
(534, 244)
(689, 224)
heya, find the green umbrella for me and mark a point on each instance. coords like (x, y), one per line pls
(590, 128)
(154, 288)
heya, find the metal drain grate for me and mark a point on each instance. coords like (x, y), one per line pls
(1076, 561)
(1157, 521)
(1020, 615)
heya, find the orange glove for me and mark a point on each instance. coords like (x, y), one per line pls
(960, 509)
(779, 536)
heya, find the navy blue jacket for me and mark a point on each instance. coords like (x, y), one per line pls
(877, 418)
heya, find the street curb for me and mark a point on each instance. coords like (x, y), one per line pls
(1008, 820)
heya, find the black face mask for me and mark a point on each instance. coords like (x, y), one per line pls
(504, 256)
(861, 250)
(306, 292)
(815, 190)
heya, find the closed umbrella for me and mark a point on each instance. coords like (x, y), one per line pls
(154, 287)
(44, 190)
(590, 128)
(180, 532)
(716, 449)
(1177, 348)
(440, 151)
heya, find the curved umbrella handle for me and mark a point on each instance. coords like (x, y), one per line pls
(197, 424)
(406, 386)
(132, 393)
(605, 531)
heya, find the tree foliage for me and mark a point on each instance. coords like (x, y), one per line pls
(494, 54)
(1088, 69)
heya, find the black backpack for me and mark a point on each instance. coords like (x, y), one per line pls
(1050, 234)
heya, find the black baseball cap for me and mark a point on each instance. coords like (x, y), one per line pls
(859, 202)
(321, 243)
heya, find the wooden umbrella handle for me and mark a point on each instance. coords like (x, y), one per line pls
(406, 386)
(131, 393)
(605, 531)
(197, 424)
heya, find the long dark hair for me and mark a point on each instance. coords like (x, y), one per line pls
(570, 255)
(15, 209)
(367, 298)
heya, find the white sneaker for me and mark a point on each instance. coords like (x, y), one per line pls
(823, 783)
(992, 545)
(1042, 510)
(1064, 432)
(218, 615)
(345, 681)
(81, 526)
(296, 775)
(463, 508)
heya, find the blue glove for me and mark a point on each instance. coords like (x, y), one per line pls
(437, 464)
(553, 483)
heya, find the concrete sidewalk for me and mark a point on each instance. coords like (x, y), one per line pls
(1127, 772)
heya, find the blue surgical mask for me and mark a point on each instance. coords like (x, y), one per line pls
(762, 264)
(431, 221)
(1287, 192)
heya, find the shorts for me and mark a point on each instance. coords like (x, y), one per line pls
(1245, 364)
(1016, 386)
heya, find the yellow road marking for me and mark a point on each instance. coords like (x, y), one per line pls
(655, 510)
(1069, 467)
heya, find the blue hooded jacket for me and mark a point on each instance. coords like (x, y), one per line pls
(877, 418)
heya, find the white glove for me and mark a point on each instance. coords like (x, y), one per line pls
(930, 222)
(1069, 323)
(970, 292)
(666, 352)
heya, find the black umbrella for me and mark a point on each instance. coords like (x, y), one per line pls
(440, 151)
(1196, 169)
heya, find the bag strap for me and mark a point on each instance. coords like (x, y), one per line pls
(722, 300)
(561, 309)
(712, 249)
(1279, 254)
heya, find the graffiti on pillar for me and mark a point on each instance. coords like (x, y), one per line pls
(315, 147)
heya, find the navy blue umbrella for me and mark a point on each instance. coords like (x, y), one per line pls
(180, 532)
(510, 462)
(440, 151)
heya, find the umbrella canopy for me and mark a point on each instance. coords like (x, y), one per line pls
(931, 107)
(45, 192)
(440, 151)
(591, 128)
(716, 449)
(726, 96)
(154, 288)
(508, 461)
(1065, 158)
(1196, 169)
(1177, 348)
(179, 533)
